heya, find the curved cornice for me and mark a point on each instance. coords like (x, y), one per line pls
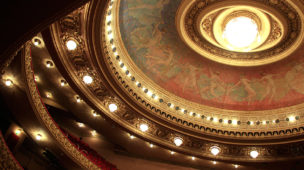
(7, 160)
(42, 114)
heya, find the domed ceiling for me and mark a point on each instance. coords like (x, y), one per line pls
(150, 36)
(203, 73)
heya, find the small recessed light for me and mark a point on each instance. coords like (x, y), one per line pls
(236, 166)
(94, 133)
(18, 132)
(63, 83)
(36, 41)
(178, 141)
(87, 79)
(71, 45)
(37, 78)
(172, 152)
(132, 137)
(292, 118)
(215, 150)
(254, 154)
(38, 136)
(78, 99)
(80, 124)
(113, 107)
(144, 127)
(193, 158)
(151, 145)
(49, 64)
(214, 162)
(234, 122)
(49, 95)
(8, 82)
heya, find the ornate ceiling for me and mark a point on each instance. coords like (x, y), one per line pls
(168, 65)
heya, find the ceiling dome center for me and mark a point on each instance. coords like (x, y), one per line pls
(240, 33)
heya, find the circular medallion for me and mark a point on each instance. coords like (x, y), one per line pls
(239, 33)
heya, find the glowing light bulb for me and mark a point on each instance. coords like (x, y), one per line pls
(63, 83)
(80, 124)
(49, 95)
(132, 137)
(87, 79)
(234, 122)
(172, 152)
(94, 133)
(8, 82)
(178, 141)
(49, 64)
(37, 78)
(193, 158)
(214, 162)
(254, 154)
(37, 42)
(38, 136)
(113, 107)
(18, 132)
(144, 127)
(151, 145)
(241, 32)
(71, 45)
(78, 99)
(215, 150)
(292, 119)
(236, 166)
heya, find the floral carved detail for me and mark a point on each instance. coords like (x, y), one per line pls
(294, 28)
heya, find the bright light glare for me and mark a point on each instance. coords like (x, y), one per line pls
(178, 141)
(144, 127)
(241, 32)
(38, 137)
(215, 150)
(112, 107)
(87, 79)
(254, 154)
(71, 45)
(8, 82)
(292, 119)
(18, 132)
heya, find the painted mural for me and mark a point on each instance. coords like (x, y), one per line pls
(150, 36)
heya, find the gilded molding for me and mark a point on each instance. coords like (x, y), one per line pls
(7, 160)
(45, 118)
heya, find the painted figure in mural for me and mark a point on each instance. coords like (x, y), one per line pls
(160, 60)
(270, 87)
(155, 47)
(295, 78)
(250, 92)
(215, 83)
(139, 36)
(189, 76)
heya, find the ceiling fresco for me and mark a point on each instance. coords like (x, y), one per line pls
(150, 36)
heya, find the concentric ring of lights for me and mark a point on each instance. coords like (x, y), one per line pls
(145, 90)
(214, 150)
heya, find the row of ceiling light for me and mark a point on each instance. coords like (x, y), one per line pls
(87, 79)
